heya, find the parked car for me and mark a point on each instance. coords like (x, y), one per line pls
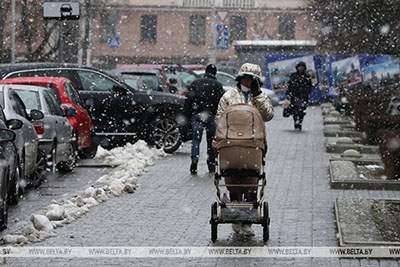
(142, 79)
(7, 158)
(10, 163)
(68, 97)
(184, 76)
(178, 78)
(228, 81)
(177, 84)
(32, 159)
(54, 130)
(195, 67)
(120, 114)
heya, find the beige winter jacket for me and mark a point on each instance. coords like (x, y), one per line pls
(235, 96)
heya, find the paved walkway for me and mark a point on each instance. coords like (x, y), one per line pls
(172, 208)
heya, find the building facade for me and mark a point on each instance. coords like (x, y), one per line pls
(190, 31)
(137, 31)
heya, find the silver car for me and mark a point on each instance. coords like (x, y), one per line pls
(32, 161)
(54, 130)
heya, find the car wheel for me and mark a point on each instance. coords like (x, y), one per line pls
(69, 164)
(4, 206)
(166, 134)
(88, 152)
(214, 222)
(36, 178)
(14, 190)
(52, 158)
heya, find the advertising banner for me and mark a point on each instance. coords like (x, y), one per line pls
(331, 72)
(280, 67)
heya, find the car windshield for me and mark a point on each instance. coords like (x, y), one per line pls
(92, 81)
(185, 75)
(226, 80)
(149, 81)
(133, 81)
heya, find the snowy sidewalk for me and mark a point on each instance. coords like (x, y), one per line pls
(172, 208)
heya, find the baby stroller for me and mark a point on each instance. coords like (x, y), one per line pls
(240, 146)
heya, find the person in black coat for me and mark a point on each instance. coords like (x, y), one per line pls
(298, 92)
(202, 103)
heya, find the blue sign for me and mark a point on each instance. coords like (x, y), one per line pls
(113, 42)
(222, 37)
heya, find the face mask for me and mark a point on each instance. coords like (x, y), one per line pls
(244, 88)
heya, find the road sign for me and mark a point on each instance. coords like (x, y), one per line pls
(113, 42)
(222, 14)
(61, 10)
(222, 37)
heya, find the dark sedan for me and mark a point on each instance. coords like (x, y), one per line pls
(119, 113)
(142, 79)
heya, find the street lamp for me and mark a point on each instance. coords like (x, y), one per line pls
(212, 58)
(13, 22)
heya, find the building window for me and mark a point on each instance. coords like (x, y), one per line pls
(203, 3)
(239, 3)
(197, 30)
(148, 28)
(108, 26)
(238, 28)
(287, 28)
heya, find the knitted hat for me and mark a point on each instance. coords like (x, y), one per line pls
(212, 69)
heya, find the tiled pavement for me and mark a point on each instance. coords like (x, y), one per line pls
(172, 208)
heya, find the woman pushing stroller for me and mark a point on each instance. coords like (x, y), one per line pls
(248, 91)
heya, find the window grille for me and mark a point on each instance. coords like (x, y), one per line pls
(287, 28)
(239, 3)
(148, 28)
(238, 28)
(197, 3)
(197, 29)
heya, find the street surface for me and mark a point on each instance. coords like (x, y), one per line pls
(172, 208)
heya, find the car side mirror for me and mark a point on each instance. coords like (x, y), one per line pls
(173, 81)
(36, 115)
(7, 135)
(119, 89)
(14, 124)
(70, 112)
(173, 89)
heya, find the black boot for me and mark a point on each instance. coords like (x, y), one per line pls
(211, 166)
(193, 167)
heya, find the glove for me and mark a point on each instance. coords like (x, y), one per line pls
(286, 104)
(255, 87)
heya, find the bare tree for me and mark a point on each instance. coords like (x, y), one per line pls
(37, 39)
(369, 26)
(4, 10)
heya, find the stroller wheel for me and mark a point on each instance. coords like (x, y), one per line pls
(213, 222)
(265, 222)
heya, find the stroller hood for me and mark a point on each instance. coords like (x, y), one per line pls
(241, 125)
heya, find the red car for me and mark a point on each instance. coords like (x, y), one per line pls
(68, 97)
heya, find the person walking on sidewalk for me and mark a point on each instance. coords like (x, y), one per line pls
(248, 90)
(202, 102)
(298, 92)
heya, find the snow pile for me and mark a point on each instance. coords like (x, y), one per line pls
(131, 161)
(352, 153)
(344, 140)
